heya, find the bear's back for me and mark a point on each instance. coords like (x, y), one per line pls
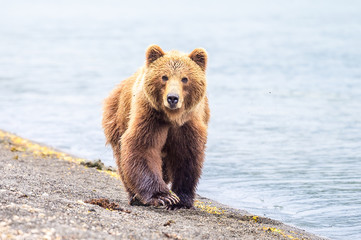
(117, 109)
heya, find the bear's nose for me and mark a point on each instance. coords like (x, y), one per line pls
(172, 99)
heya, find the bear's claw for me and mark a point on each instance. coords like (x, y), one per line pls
(175, 199)
(134, 201)
(161, 202)
(169, 199)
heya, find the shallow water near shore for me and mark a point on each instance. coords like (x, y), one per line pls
(284, 88)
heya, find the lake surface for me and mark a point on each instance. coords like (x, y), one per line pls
(284, 87)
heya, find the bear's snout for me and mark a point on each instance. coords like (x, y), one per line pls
(172, 99)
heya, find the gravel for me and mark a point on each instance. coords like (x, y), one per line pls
(43, 197)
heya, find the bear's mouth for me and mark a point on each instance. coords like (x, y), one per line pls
(172, 107)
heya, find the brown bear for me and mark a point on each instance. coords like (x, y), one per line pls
(156, 122)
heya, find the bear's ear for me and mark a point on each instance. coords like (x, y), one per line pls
(153, 53)
(199, 56)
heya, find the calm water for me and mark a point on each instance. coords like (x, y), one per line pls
(284, 88)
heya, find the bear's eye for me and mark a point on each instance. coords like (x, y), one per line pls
(184, 80)
(165, 78)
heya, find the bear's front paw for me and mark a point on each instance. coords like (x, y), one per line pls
(186, 201)
(164, 199)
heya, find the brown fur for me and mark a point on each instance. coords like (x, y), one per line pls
(155, 144)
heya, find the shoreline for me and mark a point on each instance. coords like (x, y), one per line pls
(44, 193)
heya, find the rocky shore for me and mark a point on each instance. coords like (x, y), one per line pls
(47, 194)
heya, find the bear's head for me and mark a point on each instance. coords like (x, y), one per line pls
(175, 82)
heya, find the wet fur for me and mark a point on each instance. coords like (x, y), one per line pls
(152, 145)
